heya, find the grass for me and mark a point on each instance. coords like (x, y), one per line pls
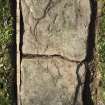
(101, 53)
(7, 69)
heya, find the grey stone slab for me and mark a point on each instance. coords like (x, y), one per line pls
(50, 81)
(56, 27)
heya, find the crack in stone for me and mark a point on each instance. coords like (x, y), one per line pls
(80, 82)
(32, 56)
(47, 8)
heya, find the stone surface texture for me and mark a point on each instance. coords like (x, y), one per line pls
(54, 43)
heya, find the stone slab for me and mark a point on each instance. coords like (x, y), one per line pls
(49, 81)
(56, 27)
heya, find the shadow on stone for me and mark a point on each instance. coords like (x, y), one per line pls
(12, 53)
(87, 97)
(88, 61)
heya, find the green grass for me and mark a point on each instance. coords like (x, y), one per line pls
(101, 53)
(6, 67)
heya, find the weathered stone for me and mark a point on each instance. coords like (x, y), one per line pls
(49, 81)
(56, 27)
(54, 36)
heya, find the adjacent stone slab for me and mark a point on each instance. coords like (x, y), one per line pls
(49, 81)
(56, 27)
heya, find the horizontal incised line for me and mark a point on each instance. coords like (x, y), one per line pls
(31, 56)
